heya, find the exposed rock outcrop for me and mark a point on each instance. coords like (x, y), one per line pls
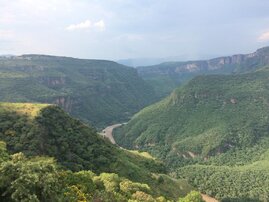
(64, 102)
(229, 64)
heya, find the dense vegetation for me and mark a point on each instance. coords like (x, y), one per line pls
(193, 196)
(52, 132)
(212, 131)
(95, 91)
(39, 130)
(167, 76)
(230, 183)
(40, 179)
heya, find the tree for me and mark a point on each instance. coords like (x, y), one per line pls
(23, 179)
(193, 196)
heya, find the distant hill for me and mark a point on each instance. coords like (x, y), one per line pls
(41, 131)
(135, 62)
(150, 61)
(6, 56)
(139, 62)
(167, 76)
(95, 91)
(217, 121)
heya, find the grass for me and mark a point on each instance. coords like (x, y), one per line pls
(141, 153)
(31, 110)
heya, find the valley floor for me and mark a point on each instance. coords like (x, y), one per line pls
(107, 132)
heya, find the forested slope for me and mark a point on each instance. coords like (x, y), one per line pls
(39, 130)
(219, 122)
(95, 91)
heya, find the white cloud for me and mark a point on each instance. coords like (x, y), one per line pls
(83, 25)
(264, 37)
(100, 25)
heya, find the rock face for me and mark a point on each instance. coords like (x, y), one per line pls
(65, 103)
(229, 63)
(167, 76)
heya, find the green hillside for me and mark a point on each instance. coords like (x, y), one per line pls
(95, 91)
(245, 183)
(218, 120)
(46, 130)
(165, 77)
(41, 179)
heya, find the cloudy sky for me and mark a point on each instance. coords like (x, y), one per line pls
(118, 29)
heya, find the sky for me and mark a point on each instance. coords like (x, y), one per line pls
(120, 29)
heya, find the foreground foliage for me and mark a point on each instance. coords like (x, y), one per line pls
(41, 179)
(45, 130)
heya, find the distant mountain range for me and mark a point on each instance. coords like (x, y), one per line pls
(141, 61)
(136, 62)
(7, 55)
(166, 76)
(103, 92)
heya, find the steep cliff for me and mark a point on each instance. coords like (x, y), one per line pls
(166, 76)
